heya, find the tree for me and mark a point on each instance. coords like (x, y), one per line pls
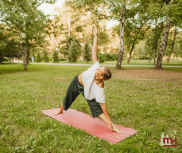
(54, 30)
(27, 20)
(9, 46)
(152, 39)
(87, 52)
(38, 58)
(117, 10)
(55, 57)
(74, 51)
(173, 11)
(172, 47)
(67, 43)
(45, 56)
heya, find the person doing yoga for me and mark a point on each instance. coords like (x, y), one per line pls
(91, 85)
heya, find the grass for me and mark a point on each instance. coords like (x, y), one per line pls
(132, 62)
(152, 107)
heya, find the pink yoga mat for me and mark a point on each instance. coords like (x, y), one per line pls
(93, 126)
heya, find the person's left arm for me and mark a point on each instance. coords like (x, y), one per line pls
(109, 122)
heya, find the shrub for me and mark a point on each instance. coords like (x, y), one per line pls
(62, 59)
(45, 56)
(74, 51)
(5, 59)
(143, 58)
(87, 52)
(101, 58)
(55, 57)
(111, 57)
(38, 58)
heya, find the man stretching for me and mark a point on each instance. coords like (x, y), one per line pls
(91, 85)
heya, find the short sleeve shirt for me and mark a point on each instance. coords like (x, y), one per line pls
(91, 89)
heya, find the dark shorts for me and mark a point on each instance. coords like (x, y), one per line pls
(74, 89)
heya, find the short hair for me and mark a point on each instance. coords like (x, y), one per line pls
(107, 73)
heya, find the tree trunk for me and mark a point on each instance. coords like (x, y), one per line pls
(27, 56)
(131, 52)
(151, 55)
(1, 58)
(163, 43)
(24, 59)
(23, 52)
(121, 47)
(174, 37)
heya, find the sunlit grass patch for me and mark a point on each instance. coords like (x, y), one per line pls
(152, 107)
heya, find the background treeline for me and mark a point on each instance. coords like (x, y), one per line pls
(146, 30)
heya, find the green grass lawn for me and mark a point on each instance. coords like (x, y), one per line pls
(152, 107)
(132, 62)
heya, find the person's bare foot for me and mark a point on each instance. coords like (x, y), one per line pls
(117, 130)
(110, 125)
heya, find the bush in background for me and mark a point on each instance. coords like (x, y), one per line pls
(62, 59)
(45, 56)
(87, 52)
(38, 58)
(111, 56)
(55, 57)
(101, 58)
(74, 51)
(144, 58)
(5, 59)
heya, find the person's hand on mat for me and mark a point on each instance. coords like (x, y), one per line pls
(95, 31)
(59, 112)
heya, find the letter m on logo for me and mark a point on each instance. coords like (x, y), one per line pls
(167, 140)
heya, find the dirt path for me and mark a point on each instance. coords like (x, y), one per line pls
(148, 74)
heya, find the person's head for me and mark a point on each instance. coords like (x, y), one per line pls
(103, 73)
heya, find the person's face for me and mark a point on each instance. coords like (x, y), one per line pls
(99, 72)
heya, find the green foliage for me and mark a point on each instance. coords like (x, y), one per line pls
(62, 59)
(38, 58)
(101, 57)
(45, 56)
(55, 57)
(5, 59)
(152, 38)
(103, 37)
(9, 46)
(67, 43)
(87, 52)
(74, 51)
(78, 28)
(27, 22)
(111, 56)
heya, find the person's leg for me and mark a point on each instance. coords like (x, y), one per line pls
(103, 117)
(71, 95)
(95, 108)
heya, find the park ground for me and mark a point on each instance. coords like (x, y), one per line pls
(144, 99)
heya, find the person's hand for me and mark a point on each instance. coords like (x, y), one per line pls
(95, 31)
(59, 112)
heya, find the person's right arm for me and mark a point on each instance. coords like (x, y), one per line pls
(94, 47)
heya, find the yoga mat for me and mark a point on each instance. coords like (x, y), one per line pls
(93, 126)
